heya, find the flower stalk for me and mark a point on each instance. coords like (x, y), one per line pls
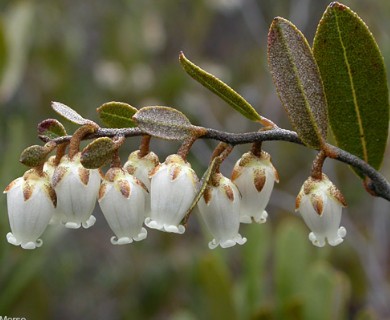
(78, 136)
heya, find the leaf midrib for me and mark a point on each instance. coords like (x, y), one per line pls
(302, 90)
(120, 117)
(355, 102)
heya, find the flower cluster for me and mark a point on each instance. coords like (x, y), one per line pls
(161, 196)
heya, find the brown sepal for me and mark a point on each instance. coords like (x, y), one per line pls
(112, 173)
(27, 190)
(10, 186)
(141, 184)
(236, 172)
(102, 190)
(124, 187)
(259, 179)
(276, 173)
(84, 175)
(58, 174)
(130, 169)
(153, 172)
(336, 193)
(207, 195)
(229, 192)
(175, 172)
(318, 203)
(52, 194)
(308, 185)
(298, 200)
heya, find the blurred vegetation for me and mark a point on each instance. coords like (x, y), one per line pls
(85, 53)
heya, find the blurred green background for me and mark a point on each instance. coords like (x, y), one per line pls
(85, 53)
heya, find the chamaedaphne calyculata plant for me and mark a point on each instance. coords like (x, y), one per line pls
(338, 86)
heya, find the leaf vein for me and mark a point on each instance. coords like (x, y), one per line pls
(355, 102)
(303, 92)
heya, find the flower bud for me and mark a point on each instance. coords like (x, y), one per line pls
(77, 190)
(320, 204)
(141, 168)
(31, 202)
(219, 207)
(255, 177)
(173, 189)
(122, 200)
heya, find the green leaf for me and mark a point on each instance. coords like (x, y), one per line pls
(355, 83)
(164, 122)
(51, 129)
(117, 114)
(98, 153)
(297, 80)
(220, 88)
(68, 113)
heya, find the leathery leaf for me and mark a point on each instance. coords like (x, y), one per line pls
(354, 77)
(298, 82)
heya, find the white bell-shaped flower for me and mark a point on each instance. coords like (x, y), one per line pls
(255, 177)
(122, 200)
(31, 202)
(220, 209)
(173, 189)
(320, 203)
(77, 189)
(141, 168)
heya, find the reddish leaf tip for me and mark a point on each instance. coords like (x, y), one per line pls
(337, 5)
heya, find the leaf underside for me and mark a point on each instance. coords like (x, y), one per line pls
(354, 78)
(68, 113)
(297, 80)
(163, 122)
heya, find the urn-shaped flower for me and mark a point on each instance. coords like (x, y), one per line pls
(31, 202)
(219, 207)
(320, 203)
(77, 190)
(173, 189)
(122, 200)
(254, 175)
